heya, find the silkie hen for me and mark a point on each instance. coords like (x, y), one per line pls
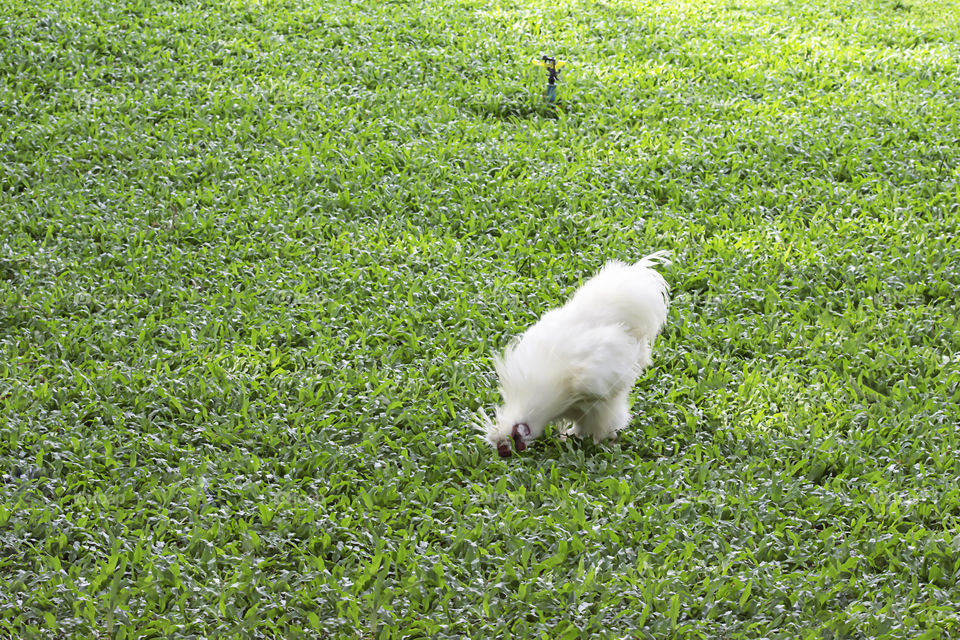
(579, 362)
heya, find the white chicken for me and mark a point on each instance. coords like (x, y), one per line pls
(579, 362)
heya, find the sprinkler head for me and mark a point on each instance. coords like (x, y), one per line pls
(552, 65)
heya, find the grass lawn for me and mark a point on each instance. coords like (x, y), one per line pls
(255, 257)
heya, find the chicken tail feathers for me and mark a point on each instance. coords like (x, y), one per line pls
(662, 257)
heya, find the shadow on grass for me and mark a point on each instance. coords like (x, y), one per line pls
(520, 106)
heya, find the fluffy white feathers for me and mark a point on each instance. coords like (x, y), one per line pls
(579, 362)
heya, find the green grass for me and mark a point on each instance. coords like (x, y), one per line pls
(255, 257)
